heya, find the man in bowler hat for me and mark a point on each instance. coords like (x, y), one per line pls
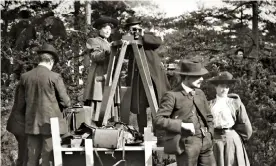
(43, 95)
(184, 112)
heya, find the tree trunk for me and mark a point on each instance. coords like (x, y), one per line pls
(255, 29)
(88, 15)
(77, 6)
(77, 26)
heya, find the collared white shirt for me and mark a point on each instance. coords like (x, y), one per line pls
(222, 113)
(186, 88)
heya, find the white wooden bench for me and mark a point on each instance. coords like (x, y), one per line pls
(149, 145)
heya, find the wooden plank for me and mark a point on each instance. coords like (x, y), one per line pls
(141, 60)
(89, 158)
(72, 149)
(56, 141)
(98, 111)
(148, 146)
(110, 67)
(127, 148)
(93, 110)
(109, 93)
(172, 164)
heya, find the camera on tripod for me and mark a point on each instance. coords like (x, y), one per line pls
(136, 32)
(133, 33)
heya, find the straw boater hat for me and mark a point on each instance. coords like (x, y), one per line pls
(103, 20)
(48, 48)
(223, 78)
(191, 68)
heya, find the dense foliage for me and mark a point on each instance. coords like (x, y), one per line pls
(195, 36)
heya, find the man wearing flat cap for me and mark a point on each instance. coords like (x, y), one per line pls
(185, 115)
(42, 95)
(158, 75)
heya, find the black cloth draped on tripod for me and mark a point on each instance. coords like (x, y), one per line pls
(161, 84)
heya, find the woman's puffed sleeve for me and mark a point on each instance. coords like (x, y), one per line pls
(243, 125)
(97, 53)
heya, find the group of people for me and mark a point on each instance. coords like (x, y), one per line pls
(198, 132)
(201, 132)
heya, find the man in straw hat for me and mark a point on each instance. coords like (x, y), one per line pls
(185, 115)
(42, 95)
(231, 123)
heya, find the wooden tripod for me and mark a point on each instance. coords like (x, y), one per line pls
(113, 77)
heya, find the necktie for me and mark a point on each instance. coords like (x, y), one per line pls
(192, 93)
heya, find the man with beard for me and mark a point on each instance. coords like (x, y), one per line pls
(185, 115)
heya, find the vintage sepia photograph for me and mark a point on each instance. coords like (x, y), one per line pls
(138, 83)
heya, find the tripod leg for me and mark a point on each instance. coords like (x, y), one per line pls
(109, 91)
(111, 66)
(108, 81)
(126, 96)
(145, 75)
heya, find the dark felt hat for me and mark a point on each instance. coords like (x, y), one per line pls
(103, 20)
(48, 48)
(223, 78)
(132, 21)
(191, 68)
(25, 14)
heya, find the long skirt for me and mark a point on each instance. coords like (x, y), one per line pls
(229, 149)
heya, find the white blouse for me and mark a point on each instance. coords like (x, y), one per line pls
(222, 113)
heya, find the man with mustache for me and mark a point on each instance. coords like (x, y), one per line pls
(185, 115)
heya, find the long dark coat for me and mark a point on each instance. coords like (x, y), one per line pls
(99, 55)
(157, 72)
(16, 121)
(44, 95)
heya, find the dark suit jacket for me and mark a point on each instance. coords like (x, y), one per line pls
(175, 108)
(43, 93)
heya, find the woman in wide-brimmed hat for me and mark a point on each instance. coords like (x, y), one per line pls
(231, 123)
(98, 61)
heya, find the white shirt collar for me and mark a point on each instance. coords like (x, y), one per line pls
(221, 98)
(186, 88)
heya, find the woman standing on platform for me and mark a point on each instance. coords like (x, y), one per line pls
(99, 55)
(231, 123)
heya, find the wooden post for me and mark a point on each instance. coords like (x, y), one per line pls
(88, 15)
(89, 158)
(255, 29)
(148, 146)
(56, 141)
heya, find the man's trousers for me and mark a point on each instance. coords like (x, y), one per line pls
(198, 152)
(22, 150)
(40, 145)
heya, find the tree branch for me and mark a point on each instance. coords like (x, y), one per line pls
(207, 49)
(240, 5)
